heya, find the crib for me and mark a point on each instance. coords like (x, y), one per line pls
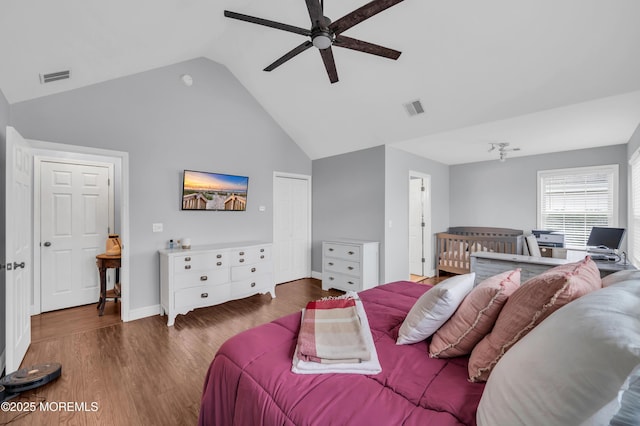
(455, 246)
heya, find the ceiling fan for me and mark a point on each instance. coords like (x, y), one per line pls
(324, 34)
(502, 149)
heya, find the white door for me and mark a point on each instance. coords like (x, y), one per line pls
(420, 262)
(292, 227)
(19, 170)
(74, 224)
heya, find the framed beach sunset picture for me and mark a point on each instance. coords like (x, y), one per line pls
(214, 191)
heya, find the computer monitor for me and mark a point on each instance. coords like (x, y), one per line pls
(602, 237)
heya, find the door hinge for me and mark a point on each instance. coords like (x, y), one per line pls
(423, 189)
(108, 181)
(423, 260)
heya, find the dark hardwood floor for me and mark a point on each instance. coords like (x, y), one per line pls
(140, 372)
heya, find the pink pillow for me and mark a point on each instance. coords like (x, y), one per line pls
(535, 300)
(475, 316)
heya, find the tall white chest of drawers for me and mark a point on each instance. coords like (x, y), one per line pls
(350, 265)
(213, 274)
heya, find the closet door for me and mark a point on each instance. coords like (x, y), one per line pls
(291, 227)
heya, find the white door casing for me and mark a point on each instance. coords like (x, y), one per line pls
(291, 226)
(19, 256)
(75, 214)
(420, 239)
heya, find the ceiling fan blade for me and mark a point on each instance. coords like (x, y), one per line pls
(315, 12)
(363, 46)
(360, 14)
(329, 64)
(284, 58)
(267, 23)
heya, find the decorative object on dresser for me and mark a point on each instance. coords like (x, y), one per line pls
(213, 274)
(350, 265)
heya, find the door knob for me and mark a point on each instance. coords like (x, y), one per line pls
(47, 244)
(17, 265)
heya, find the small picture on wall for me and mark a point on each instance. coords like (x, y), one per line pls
(214, 191)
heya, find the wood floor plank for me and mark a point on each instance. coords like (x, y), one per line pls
(142, 372)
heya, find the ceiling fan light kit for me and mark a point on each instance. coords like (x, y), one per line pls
(324, 34)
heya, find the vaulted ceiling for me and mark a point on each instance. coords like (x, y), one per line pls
(543, 75)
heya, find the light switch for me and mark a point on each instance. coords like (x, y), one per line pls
(262, 208)
(157, 227)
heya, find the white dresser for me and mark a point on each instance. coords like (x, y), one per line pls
(350, 265)
(209, 275)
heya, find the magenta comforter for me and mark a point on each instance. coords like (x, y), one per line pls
(250, 380)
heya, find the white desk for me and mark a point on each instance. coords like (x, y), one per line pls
(487, 264)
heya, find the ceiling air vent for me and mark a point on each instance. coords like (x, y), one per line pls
(54, 76)
(414, 108)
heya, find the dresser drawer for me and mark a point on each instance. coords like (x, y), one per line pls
(239, 273)
(343, 251)
(201, 296)
(330, 280)
(199, 261)
(198, 278)
(342, 266)
(250, 255)
(259, 284)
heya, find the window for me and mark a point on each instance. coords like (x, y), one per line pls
(572, 201)
(634, 232)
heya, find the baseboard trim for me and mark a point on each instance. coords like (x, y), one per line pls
(147, 311)
(316, 275)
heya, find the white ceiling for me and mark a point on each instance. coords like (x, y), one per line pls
(543, 75)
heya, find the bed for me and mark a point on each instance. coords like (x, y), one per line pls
(455, 246)
(250, 379)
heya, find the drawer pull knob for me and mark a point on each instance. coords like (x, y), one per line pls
(330, 249)
(204, 278)
(350, 268)
(204, 295)
(219, 256)
(262, 256)
(331, 278)
(241, 260)
(219, 264)
(253, 269)
(187, 266)
(253, 284)
(350, 282)
(330, 263)
(351, 253)
(241, 253)
(187, 259)
(261, 250)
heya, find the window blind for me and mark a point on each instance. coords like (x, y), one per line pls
(572, 201)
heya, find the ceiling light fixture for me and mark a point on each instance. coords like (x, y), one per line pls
(502, 149)
(322, 39)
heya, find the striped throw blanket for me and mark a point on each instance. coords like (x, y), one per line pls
(331, 333)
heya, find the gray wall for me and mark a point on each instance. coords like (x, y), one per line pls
(4, 122)
(634, 143)
(348, 199)
(215, 125)
(398, 165)
(492, 193)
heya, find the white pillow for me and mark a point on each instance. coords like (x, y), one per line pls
(434, 308)
(571, 367)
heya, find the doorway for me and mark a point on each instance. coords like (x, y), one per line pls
(76, 211)
(291, 226)
(420, 242)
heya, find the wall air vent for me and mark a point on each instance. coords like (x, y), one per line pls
(54, 76)
(414, 108)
